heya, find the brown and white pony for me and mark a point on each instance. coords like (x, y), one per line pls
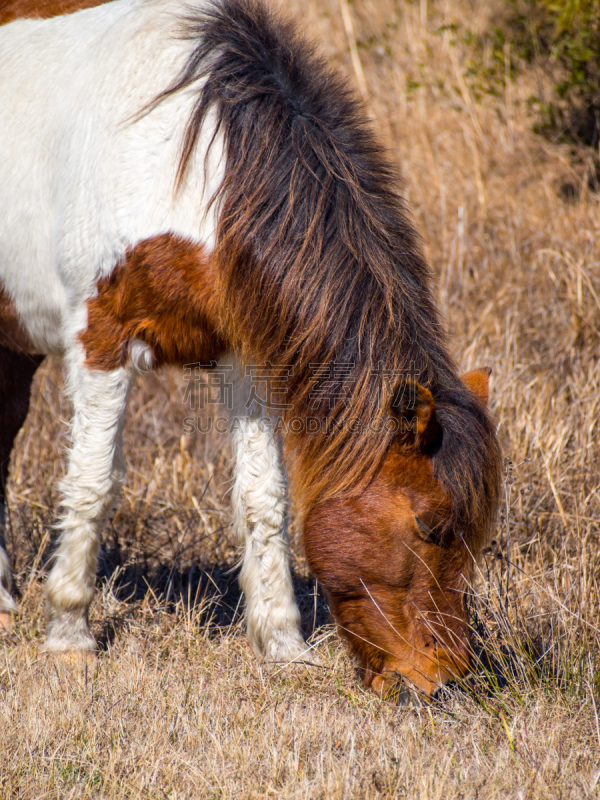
(179, 181)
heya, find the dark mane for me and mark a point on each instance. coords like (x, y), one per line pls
(317, 258)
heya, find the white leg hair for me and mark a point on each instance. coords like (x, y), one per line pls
(90, 488)
(7, 604)
(259, 516)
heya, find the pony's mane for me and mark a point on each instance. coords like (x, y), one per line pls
(318, 261)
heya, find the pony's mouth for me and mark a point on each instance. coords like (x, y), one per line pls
(402, 682)
(392, 687)
(395, 688)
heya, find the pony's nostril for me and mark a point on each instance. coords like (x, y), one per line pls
(403, 699)
(398, 693)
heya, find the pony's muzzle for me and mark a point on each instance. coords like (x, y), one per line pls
(392, 687)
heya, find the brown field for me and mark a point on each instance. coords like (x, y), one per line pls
(180, 708)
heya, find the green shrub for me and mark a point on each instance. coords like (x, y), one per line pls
(564, 37)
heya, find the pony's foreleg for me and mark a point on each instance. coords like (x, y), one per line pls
(7, 604)
(89, 489)
(259, 514)
(16, 375)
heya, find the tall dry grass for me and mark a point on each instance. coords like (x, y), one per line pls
(180, 707)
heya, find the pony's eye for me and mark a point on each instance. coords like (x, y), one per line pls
(425, 532)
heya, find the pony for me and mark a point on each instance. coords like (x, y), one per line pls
(195, 184)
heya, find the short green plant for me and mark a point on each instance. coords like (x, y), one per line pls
(562, 37)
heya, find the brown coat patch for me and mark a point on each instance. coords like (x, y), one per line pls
(161, 294)
(42, 9)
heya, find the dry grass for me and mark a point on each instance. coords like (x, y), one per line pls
(180, 707)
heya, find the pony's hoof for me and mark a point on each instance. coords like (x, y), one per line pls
(74, 660)
(308, 656)
(292, 650)
(6, 622)
(305, 656)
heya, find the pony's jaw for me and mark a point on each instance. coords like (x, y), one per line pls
(397, 600)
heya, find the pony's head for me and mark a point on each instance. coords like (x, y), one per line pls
(394, 562)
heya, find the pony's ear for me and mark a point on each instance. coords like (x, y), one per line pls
(478, 381)
(413, 408)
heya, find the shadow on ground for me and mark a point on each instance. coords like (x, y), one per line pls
(209, 588)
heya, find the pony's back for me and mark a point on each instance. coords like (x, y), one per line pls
(85, 178)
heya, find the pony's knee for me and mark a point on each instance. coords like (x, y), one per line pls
(84, 501)
(259, 492)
